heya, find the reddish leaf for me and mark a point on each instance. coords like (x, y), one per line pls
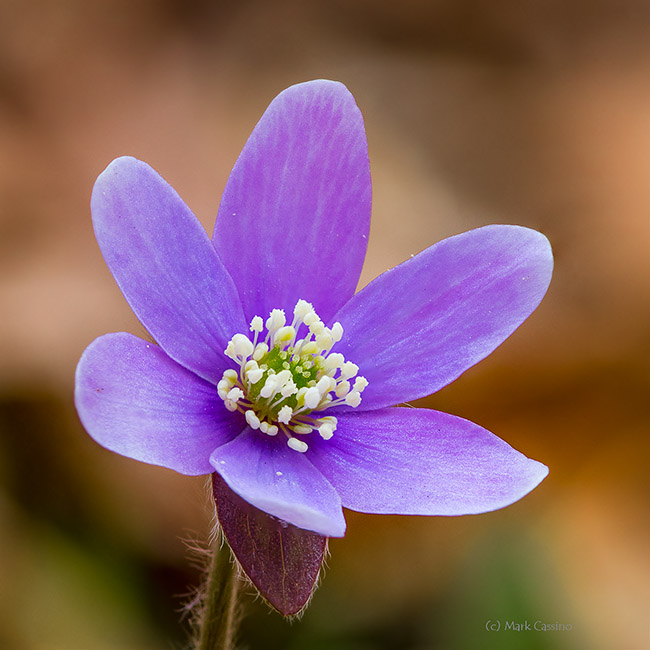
(282, 561)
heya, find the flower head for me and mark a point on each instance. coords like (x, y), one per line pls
(268, 368)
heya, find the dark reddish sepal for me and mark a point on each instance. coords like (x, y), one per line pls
(282, 561)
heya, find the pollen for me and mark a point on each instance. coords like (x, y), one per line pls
(286, 378)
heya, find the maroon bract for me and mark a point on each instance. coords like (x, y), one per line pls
(282, 561)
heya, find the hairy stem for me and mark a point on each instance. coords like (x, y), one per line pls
(219, 619)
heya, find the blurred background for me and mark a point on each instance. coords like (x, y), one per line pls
(532, 113)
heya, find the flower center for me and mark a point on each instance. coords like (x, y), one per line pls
(283, 379)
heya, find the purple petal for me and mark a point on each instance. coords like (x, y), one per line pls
(282, 561)
(164, 263)
(280, 481)
(294, 218)
(417, 327)
(134, 400)
(422, 462)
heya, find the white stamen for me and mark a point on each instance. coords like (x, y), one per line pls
(326, 430)
(242, 345)
(300, 396)
(264, 385)
(301, 309)
(349, 370)
(253, 420)
(224, 384)
(276, 319)
(309, 348)
(360, 383)
(353, 398)
(284, 335)
(297, 445)
(335, 360)
(260, 350)
(325, 385)
(289, 389)
(283, 377)
(342, 388)
(285, 414)
(317, 328)
(312, 397)
(235, 394)
(269, 387)
(324, 341)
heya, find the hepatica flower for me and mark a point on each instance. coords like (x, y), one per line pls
(268, 369)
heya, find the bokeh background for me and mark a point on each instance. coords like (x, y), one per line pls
(525, 112)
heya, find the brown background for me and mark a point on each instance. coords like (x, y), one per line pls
(534, 113)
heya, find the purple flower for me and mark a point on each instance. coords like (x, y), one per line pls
(268, 368)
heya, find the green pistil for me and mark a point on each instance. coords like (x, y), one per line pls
(279, 389)
(304, 369)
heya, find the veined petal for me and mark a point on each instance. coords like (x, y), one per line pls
(422, 462)
(420, 325)
(134, 400)
(164, 263)
(295, 215)
(280, 481)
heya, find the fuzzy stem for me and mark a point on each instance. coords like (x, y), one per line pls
(220, 616)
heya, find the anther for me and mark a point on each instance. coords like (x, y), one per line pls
(285, 414)
(235, 394)
(301, 309)
(349, 370)
(312, 397)
(253, 420)
(242, 345)
(342, 388)
(297, 445)
(360, 383)
(326, 430)
(260, 350)
(276, 319)
(353, 398)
